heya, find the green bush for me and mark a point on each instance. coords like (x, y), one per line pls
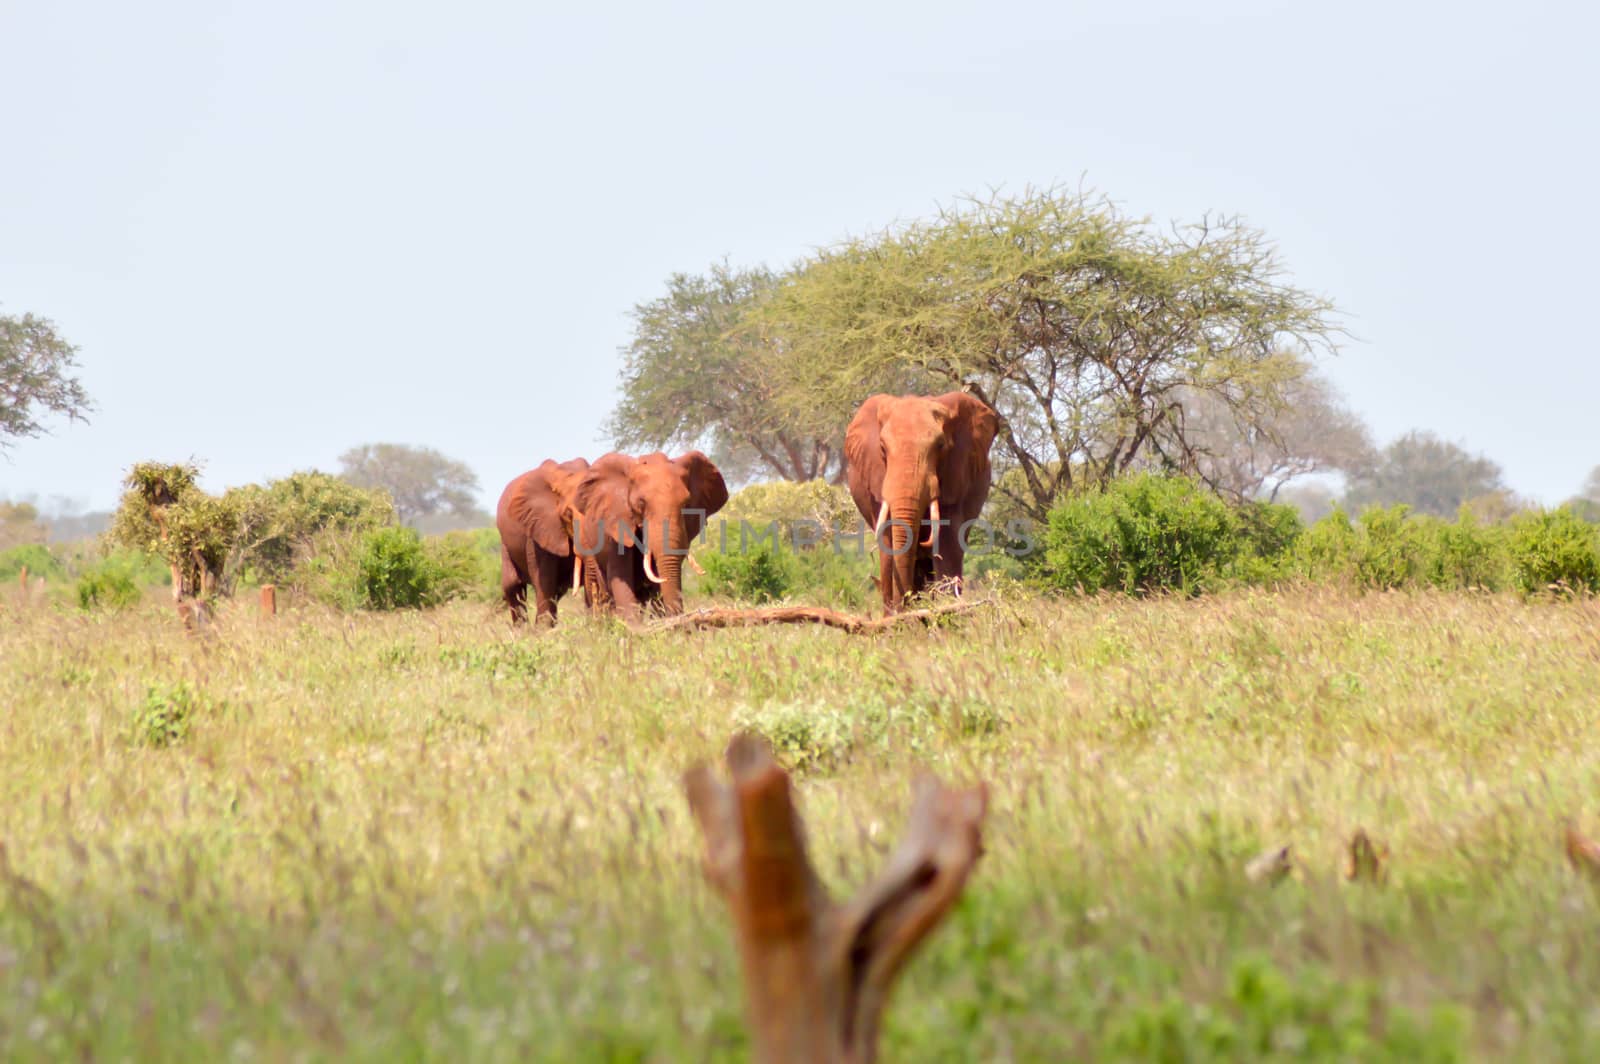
(1555, 549)
(1467, 553)
(1392, 550)
(112, 583)
(393, 571)
(281, 521)
(164, 717)
(1145, 533)
(761, 574)
(36, 557)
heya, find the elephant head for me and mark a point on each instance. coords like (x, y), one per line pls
(643, 501)
(920, 466)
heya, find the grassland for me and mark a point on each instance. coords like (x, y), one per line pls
(385, 837)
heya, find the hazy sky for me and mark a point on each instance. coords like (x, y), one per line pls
(279, 230)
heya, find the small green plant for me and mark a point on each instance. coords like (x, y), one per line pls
(1555, 549)
(164, 717)
(111, 584)
(498, 660)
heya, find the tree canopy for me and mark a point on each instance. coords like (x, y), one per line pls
(422, 482)
(1088, 330)
(1428, 474)
(700, 373)
(36, 378)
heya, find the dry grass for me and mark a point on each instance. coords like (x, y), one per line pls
(420, 835)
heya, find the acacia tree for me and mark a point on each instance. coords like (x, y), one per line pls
(36, 378)
(422, 482)
(1083, 327)
(698, 373)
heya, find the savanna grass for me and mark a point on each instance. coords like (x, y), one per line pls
(383, 837)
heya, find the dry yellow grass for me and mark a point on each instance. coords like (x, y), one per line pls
(420, 834)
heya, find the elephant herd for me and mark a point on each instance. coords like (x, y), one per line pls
(620, 527)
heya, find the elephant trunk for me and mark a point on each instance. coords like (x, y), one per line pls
(664, 559)
(910, 500)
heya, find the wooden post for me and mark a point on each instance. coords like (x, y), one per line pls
(817, 974)
(23, 580)
(269, 600)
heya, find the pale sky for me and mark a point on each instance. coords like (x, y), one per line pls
(280, 230)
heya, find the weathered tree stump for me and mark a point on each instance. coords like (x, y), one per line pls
(817, 974)
(269, 600)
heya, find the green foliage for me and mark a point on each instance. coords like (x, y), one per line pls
(811, 508)
(1267, 1013)
(36, 379)
(35, 557)
(1141, 534)
(164, 717)
(698, 373)
(760, 574)
(113, 583)
(165, 512)
(1555, 549)
(499, 661)
(394, 571)
(279, 523)
(395, 567)
(1467, 553)
(1085, 326)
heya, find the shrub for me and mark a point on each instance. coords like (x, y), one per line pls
(393, 571)
(36, 557)
(280, 522)
(163, 718)
(1555, 548)
(112, 583)
(762, 574)
(1392, 549)
(1467, 553)
(1145, 533)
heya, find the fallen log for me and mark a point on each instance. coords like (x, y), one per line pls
(817, 973)
(724, 617)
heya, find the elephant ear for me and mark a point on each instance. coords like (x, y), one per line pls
(536, 509)
(863, 456)
(964, 474)
(606, 494)
(707, 490)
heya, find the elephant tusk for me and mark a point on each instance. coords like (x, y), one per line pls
(650, 568)
(695, 565)
(883, 518)
(577, 571)
(933, 521)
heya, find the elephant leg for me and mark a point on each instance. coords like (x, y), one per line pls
(620, 583)
(949, 564)
(547, 586)
(512, 587)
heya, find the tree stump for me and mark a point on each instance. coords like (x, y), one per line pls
(817, 974)
(269, 600)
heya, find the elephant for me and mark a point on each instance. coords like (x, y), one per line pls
(919, 462)
(633, 527)
(534, 519)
